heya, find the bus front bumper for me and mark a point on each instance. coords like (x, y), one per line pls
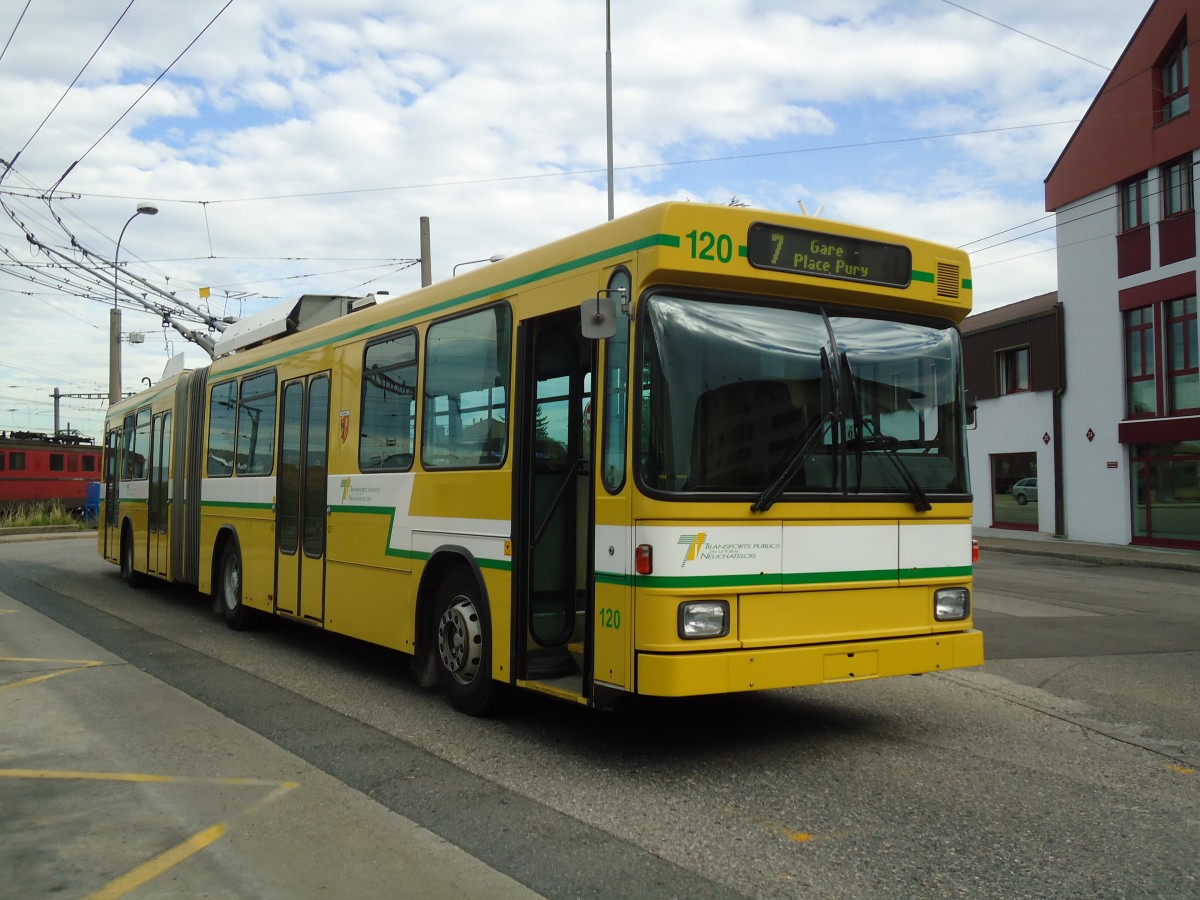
(727, 671)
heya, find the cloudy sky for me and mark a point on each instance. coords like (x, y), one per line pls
(293, 145)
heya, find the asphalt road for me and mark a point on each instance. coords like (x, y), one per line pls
(1069, 766)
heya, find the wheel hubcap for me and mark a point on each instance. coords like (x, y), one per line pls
(460, 640)
(233, 584)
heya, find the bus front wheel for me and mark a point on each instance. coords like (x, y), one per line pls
(462, 642)
(229, 584)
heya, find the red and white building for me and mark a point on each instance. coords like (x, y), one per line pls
(1123, 196)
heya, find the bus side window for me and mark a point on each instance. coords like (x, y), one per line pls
(388, 420)
(616, 390)
(141, 445)
(127, 449)
(256, 425)
(467, 364)
(222, 428)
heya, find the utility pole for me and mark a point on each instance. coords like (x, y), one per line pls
(608, 100)
(114, 315)
(426, 263)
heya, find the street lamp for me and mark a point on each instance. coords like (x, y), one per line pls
(114, 316)
(471, 262)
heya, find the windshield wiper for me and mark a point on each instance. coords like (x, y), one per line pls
(795, 457)
(886, 443)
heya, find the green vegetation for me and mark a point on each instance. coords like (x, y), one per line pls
(33, 515)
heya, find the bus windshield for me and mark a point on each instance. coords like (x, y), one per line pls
(763, 400)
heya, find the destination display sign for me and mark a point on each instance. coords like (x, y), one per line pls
(828, 255)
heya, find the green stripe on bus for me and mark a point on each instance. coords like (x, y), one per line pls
(614, 578)
(936, 572)
(787, 579)
(233, 504)
(839, 577)
(930, 278)
(653, 240)
(705, 581)
(500, 565)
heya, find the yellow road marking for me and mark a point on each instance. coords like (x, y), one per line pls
(1181, 770)
(76, 665)
(82, 663)
(152, 868)
(139, 777)
(168, 859)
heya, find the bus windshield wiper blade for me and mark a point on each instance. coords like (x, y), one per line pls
(792, 464)
(883, 442)
(887, 444)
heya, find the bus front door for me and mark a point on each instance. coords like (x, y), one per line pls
(555, 516)
(300, 501)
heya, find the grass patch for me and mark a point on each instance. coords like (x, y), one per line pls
(35, 515)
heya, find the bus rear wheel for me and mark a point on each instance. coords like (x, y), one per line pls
(132, 576)
(462, 644)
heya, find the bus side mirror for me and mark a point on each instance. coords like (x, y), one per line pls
(970, 403)
(598, 318)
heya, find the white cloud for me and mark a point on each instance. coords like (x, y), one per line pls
(489, 118)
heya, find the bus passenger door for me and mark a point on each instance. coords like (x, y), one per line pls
(112, 480)
(300, 501)
(158, 505)
(553, 486)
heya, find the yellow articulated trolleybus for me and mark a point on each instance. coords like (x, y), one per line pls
(695, 450)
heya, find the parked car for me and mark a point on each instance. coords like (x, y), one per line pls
(1025, 490)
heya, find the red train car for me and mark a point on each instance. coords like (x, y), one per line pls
(37, 467)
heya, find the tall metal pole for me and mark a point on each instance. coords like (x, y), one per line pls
(426, 262)
(114, 316)
(608, 99)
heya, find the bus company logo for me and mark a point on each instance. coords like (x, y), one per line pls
(352, 494)
(701, 549)
(695, 544)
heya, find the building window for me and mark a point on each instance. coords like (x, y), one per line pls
(1177, 187)
(1183, 356)
(1014, 370)
(1141, 396)
(1135, 202)
(1173, 74)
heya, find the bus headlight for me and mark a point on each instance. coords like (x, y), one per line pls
(951, 603)
(703, 619)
